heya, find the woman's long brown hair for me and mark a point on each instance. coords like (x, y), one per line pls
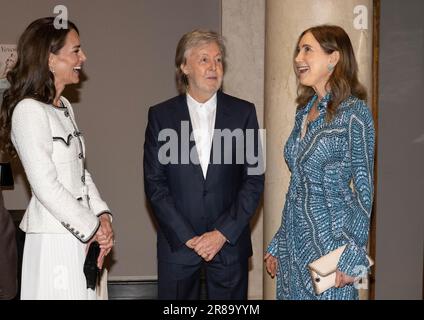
(343, 82)
(31, 76)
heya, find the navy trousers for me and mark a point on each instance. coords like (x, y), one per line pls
(223, 282)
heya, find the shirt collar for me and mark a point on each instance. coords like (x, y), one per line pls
(207, 106)
(322, 104)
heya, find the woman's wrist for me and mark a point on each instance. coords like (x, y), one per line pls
(105, 216)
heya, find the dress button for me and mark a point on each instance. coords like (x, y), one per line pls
(83, 179)
(66, 113)
(81, 156)
(82, 236)
(76, 133)
(329, 205)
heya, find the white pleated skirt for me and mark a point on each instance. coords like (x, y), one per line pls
(52, 268)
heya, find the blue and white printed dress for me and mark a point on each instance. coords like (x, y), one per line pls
(322, 211)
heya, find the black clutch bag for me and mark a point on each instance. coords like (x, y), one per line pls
(6, 176)
(91, 271)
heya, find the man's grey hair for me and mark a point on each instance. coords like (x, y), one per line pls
(191, 40)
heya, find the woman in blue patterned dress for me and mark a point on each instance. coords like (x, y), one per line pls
(330, 154)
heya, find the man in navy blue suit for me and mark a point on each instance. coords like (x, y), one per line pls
(204, 176)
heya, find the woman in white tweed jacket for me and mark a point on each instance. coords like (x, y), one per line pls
(66, 211)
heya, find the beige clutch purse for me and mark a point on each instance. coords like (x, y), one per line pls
(323, 270)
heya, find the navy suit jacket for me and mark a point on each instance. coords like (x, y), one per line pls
(186, 204)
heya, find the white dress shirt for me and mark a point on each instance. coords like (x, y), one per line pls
(202, 117)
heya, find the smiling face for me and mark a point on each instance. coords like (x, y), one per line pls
(67, 63)
(312, 64)
(204, 70)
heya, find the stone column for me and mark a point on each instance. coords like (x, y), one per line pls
(243, 26)
(285, 20)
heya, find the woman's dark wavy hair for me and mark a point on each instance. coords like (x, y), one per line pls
(31, 76)
(344, 79)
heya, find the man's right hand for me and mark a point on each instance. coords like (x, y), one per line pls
(271, 263)
(192, 242)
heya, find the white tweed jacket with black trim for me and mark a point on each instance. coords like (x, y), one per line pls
(52, 151)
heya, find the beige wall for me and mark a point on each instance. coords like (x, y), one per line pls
(243, 26)
(130, 46)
